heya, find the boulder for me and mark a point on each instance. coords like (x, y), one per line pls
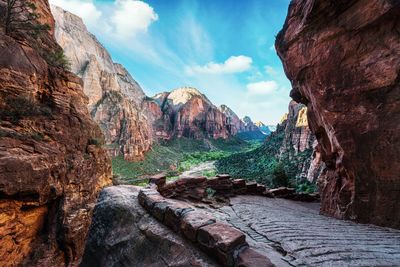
(191, 223)
(222, 240)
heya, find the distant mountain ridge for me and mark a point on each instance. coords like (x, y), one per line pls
(186, 112)
(131, 121)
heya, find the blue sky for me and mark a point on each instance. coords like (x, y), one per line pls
(223, 48)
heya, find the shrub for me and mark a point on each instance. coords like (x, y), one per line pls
(17, 108)
(57, 58)
(96, 141)
(279, 176)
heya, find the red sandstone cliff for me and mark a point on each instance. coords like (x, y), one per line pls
(115, 98)
(343, 59)
(185, 112)
(52, 165)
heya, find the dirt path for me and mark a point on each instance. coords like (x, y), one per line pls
(198, 170)
(294, 234)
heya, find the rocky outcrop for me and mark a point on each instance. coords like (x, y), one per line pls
(115, 98)
(343, 59)
(52, 165)
(122, 233)
(185, 112)
(235, 124)
(299, 145)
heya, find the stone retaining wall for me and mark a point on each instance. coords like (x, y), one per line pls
(219, 240)
(194, 188)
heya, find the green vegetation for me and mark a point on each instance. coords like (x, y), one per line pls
(56, 58)
(19, 107)
(176, 156)
(267, 166)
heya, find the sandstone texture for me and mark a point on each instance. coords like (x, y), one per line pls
(115, 98)
(52, 165)
(294, 234)
(343, 59)
(124, 234)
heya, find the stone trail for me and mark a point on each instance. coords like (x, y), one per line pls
(304, 238)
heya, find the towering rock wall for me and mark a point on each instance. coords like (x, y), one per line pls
(115, 98)
(185, 112)
(299, 145)
(343, 59)
(52, 165)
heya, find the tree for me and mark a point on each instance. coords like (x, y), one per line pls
(279, 176)
(21, 16)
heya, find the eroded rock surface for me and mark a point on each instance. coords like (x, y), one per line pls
(115, 98)
(294, 234)
(123, 233)
(343, 59)
(51, 170)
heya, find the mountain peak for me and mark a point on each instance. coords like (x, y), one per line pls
(182, 95)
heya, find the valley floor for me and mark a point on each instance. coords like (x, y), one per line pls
(304, 238)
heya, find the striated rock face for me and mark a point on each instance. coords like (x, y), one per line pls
(343, 59)
(115, 98)
(299, 144)
(52, 165)
(124, 233)
(235, 124)
(185, 112)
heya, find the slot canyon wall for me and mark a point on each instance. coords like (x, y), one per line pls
(343, 60)
(52, 165)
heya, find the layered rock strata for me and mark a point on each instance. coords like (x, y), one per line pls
(115, 98)
(343, 59)
(52, 165)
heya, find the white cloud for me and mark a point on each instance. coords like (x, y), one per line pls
(122, 19)
(262, 88)
(270, 71)
(132, 17)
(84, 9)
(233, 64)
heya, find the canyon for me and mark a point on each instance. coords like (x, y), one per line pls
(60, 125)
(131, 121)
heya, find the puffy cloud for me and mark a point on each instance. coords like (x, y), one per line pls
(132, 17)
(262, 88)
(233, 64)
(84, 9)
(123, 19)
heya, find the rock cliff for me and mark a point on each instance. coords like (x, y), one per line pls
(299, 145)
(343, 59)
(185, 112)
(52, 165)
(115, 98)
(292, 144)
